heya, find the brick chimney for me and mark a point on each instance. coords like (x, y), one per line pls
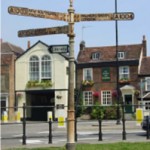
(144, 43)
(28, 45)
(82, 45)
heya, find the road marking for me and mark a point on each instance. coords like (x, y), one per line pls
(17, 135)
(32, 141)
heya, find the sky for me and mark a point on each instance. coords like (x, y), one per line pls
(94, 33)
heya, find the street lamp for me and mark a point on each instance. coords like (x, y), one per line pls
(117, 68)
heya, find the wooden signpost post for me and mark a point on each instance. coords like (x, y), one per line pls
(71, 18)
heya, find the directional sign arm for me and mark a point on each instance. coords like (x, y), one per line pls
(43, 31)
(37, 13)
(104, 17)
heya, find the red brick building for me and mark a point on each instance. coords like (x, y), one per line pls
(97, 72)
(9, 53)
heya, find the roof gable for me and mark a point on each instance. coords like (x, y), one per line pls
(145, 67)
(33, 46)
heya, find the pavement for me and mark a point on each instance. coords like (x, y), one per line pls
(88, 127)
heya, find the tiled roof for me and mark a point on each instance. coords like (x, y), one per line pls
(108, 53)
(147, 95)
(145, 66)
(9, 48)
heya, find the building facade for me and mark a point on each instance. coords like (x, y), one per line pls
(97, 73)
(9, 53)
(42, 82)
(144, 75)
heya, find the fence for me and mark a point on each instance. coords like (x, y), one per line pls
(99, 129)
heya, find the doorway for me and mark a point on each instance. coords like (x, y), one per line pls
(128, 103)
(41, 102)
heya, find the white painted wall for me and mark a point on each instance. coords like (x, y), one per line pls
(59, 73)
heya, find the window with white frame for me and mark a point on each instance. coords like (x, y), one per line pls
(34, 68)
(46, 67)
(147, 84)
(87, 98)
(121, 55)
(147, 105)
(106, 98)
(124, 72)
(40, 69)
(95, 56)
(87, 74)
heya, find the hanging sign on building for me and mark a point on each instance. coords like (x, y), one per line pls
(106, 74)
(59, 48)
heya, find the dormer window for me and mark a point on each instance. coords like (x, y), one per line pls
(95, 56)
(147, 84)
(121, 55)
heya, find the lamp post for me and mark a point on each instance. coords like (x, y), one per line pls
(71, 112)
(117, 67)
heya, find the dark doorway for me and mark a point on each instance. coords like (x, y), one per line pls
(128, 103)
(41, 103)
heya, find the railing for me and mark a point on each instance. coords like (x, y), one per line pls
(99, 129)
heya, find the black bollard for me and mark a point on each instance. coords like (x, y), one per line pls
(24, 125)
(148, 130)
(50, 131)
(76, 136)
(100, 130)
(123, 123)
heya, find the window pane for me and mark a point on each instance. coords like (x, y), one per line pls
(46, 67)
(34, 68)
(87, 74)
(87, 98)
(106, 98)
(124, 72)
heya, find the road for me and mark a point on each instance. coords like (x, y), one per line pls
(37, 133)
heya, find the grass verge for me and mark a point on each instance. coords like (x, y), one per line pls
(113, 146)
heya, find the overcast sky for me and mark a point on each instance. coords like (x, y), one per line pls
(95, 33)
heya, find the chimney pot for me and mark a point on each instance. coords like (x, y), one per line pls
(28, 44)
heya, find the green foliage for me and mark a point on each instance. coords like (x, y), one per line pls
(42, 83)
(110, 112)
(97, 111)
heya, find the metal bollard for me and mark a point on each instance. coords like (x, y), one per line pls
(100, 130)
(148, 130)
(76, 135)
(50, 131)
(24, 125)
(123, 123)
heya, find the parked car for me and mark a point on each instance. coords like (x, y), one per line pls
(144, 123)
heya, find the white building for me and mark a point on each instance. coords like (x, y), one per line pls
(41, 79)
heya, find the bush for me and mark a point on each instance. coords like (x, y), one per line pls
(110, 112)
(97, 111)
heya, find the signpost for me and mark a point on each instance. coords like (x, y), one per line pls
(37, 13)
(71, 18)
(65, 17)
(104, 17)
(43, 31)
